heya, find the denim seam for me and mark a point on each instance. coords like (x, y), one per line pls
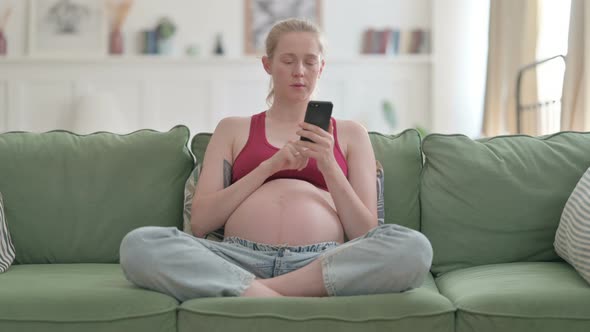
(274, 266)
(278, 266)
(328, 283)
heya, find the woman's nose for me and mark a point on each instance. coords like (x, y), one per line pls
(298, 69)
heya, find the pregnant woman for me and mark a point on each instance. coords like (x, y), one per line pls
(299, 217)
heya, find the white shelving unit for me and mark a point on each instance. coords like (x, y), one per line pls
(145, 59)
(40, 94)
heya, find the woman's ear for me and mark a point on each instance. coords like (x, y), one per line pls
(266, 64)
(322, 64)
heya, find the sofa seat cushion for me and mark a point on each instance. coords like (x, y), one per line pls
(534, 296)
(421, 309)
(80, 297)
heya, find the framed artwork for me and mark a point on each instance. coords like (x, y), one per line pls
(260, 15)
(67, 28)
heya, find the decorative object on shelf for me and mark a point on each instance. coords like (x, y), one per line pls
(165, 30)
(396, 41)
(389, 114)
(260, 15)
(116, 42)
(119, 12)
(3, 21)
(150, 41)
(67, 27)
(192, 50)
(219, 49)
(3, 46)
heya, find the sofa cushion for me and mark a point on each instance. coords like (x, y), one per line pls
(80, 297)
(401, 159)
(572, 240)
(497, 200)
(518, 297)
(420, 309)
(6, 247)
(73, 197)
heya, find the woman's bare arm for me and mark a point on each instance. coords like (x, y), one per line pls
(355, 198)
(213, 204)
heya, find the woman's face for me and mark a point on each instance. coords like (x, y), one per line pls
(295, 66)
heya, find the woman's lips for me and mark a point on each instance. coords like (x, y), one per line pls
(297, 85)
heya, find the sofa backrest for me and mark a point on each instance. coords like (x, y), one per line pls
(71, 198)
(401, 158)
(497, 200)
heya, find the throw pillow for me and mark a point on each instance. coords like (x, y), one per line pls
(380, 191)
(572, 239)
(6, 248)
(189, 193)
(191, 183)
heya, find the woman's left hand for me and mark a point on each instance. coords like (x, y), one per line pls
(322, 147)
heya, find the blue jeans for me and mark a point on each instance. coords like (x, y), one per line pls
(388, 259)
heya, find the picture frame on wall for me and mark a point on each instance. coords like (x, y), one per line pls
(261, 15)
(62, 28)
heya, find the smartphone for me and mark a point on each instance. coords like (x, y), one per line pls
(318, 113)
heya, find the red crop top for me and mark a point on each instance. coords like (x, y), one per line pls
(258, 149)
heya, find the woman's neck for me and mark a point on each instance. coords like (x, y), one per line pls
(287, 111)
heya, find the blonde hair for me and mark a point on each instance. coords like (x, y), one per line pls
(282, 27)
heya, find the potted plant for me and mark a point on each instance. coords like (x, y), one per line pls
(165, 30)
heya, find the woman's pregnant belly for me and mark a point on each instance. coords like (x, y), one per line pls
(286, 211)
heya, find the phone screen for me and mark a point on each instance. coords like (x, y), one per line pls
(318, 113)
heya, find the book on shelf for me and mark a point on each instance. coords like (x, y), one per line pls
(367, 41)
(394, 49)
(405, 42)
(424, 47)
(385, 41)
(396, 41)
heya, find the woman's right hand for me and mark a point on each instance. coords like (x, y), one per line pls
(288, 157)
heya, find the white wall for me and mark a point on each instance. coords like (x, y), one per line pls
(459, 29)
(200, 20)
(459, 69)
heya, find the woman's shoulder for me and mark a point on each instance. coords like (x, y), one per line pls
(232, 123)
(350, 134)
(350, 128)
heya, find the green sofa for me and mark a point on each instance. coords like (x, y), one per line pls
(490, 208)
